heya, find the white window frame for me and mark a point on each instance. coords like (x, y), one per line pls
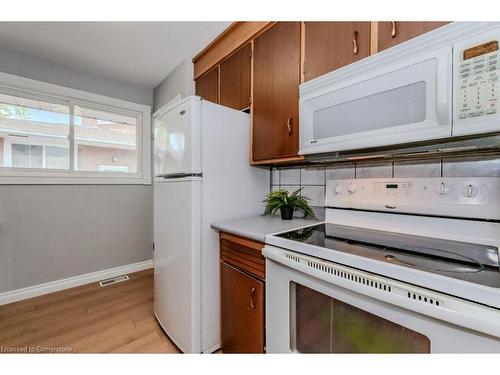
(37, 90)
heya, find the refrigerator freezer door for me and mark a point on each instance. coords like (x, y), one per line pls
(177, 258)
(177, 136)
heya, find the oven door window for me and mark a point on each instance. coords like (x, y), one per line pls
(322, 324)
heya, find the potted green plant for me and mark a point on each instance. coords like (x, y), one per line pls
(287, 203)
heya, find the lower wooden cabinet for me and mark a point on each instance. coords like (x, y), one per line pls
(242, 295)
(242, 311)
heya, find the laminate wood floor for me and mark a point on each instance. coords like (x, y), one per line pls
(87, 319)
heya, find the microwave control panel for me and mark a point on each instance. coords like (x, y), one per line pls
(478, 72)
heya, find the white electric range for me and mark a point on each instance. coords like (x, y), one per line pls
(399, 265)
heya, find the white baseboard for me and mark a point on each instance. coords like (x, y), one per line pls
(71, 282)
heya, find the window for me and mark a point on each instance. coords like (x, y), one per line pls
(27, 126)
(56, 157)
(107, 138)
(67, 139)
(38, 156)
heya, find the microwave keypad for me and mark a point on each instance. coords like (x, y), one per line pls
(478, 88)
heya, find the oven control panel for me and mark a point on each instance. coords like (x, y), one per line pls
(471, 197)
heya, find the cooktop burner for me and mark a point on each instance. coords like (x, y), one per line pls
(460, 260)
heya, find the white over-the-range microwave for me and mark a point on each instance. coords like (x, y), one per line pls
(440, 85)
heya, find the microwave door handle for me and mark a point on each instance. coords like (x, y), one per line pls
(443, 89)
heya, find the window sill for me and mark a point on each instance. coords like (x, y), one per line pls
(73, 180)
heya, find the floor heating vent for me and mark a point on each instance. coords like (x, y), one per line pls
(114, 280)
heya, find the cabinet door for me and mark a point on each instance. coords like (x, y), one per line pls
(207, 86)
(242, 312)
(235, 79)
(332, 45)
(392, 33)
(276, 74)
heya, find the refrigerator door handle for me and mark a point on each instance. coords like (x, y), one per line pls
(179, 175)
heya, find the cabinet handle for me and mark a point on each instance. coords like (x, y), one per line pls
(252, 303)
(393, 29)
(289, 124)
(355, 42)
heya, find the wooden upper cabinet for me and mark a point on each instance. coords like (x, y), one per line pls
(276, 78)
(235, 79)
(393, 33)
(332, 45)
(207, 86)
(258, 65)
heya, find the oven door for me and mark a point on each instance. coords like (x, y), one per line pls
(378, 103)
(305, 314)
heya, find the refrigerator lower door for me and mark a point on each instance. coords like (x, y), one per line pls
(177, 261)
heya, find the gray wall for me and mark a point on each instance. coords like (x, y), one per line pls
(52, 232)
(30, 67)
(179, 81)
(49, 233)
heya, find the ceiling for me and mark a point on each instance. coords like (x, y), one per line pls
(140, 53)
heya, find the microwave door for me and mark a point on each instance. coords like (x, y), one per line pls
(403, 102)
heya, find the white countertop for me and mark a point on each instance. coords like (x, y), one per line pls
(257, 227)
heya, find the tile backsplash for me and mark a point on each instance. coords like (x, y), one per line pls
(425, 168)
(313, 179)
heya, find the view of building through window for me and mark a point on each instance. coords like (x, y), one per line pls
(36, 134)
(105, 141)
(33, 134)
(37, 156)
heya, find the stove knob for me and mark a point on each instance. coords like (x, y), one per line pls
(443, 189)
(352, 187)
(470, 191)
(338, 189)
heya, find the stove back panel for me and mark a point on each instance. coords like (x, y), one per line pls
(464, 197)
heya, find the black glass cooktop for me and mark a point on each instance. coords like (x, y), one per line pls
(466, 261)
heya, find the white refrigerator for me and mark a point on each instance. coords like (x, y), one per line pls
(202, 174)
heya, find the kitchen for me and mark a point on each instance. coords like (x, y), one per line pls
(377, 163)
